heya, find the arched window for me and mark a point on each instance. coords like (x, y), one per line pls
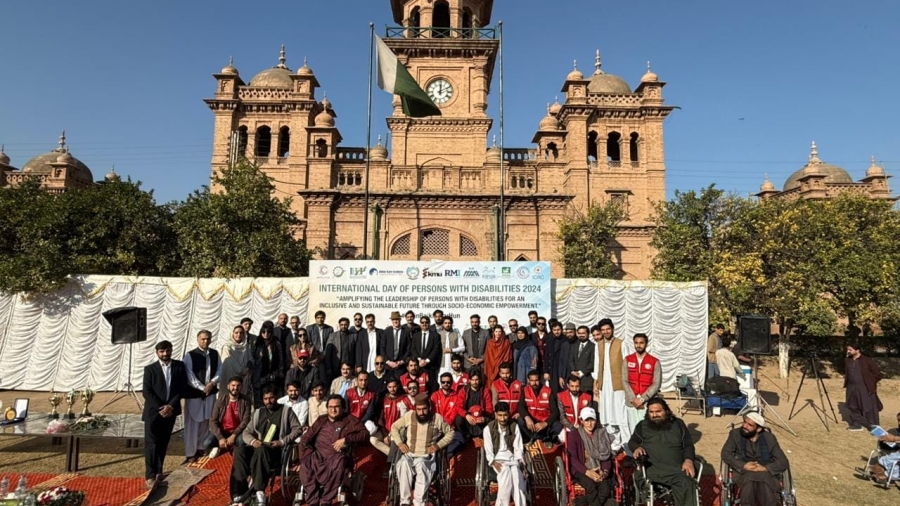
(263, 141)
(321, 148)
(633, 146)
(401, 246)
(242, 141)
(435, 242)
(521, 258)
(440, 20)
(592, 146)
(467, 247)
(552, 151)
(415, 21)
(467, 23)
(613, 153)
(284, 142)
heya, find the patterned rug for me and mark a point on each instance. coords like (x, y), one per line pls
(99, 491)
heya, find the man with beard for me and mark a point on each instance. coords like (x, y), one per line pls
(757, 460)
(504, 452)
(492, 322)
(319, 332)
(581, 359)
(164, 383)
(591, 460)
(285, 338)
(563, 358)
(643, 377)
(344, 382)
(419, 435)
(316, 402)
(609, 386)
(507, 389)
(362, 401)
(666, 442)
(326, 452)
(394, 346)
(230, 417)
(532, 322)
(411, 326)
(451, 343)
(271, 427)
(303, 375)
(475, 339)
(443, 401)
(474, 410)
(393, 406)
(367, 340)
(861, 382)
(542, 339)
(426, 347)
(357, 323)
(570, 403)
(512, 325)
(340, 349)
(413, 373)
(296, 403)
(203, 366)
(888, 444)
(460, 377)
(558, 346)
(538, 412)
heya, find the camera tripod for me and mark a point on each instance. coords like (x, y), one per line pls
(127, 388)
(762, 407)
(823, 395)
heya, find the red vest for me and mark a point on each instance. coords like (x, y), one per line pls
(538, 404)
(445, 405)
(461, 382)
(391, 411)
(421, 379)
(359, 404)
(584, 400)
(641, 377)
(509, 394)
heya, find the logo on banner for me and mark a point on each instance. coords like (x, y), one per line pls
(373, 272)
(431, 274)
(471, 272)
(489, 273)
(506, 272)
(522, 272)
(357, 272)
(338, 271)
(323, 270)
(538, 272)
(451, 273)
(412, 272)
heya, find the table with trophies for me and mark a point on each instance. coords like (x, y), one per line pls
(84, 425)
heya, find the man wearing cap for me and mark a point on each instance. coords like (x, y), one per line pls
(754, 454)
(591, 459)
(394, 345)
(303, 375)
(504, 452)
(419, 435)
(669, 448)
(247, 323)
(643, 377)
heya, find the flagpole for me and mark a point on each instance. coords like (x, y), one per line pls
(501, 228)
(368, 144)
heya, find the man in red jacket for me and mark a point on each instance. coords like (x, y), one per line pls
(474, 411)
(444, 400)
(861, 382)
(570, 403)
(415, 374)
(643, 377)
(538, 411)
(508, 390)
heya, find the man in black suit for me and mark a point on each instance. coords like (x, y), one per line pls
(426, 348)
(394, 346)
(367, 340)
(164, 383)
(319, 332)
(340, 348)
(581, 359)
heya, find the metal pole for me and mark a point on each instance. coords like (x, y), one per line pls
(368, 143)
(501, 240)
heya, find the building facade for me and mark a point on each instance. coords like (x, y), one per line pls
(56, 170)
(435, 187)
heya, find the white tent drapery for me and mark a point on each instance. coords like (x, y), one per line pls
(62, 342)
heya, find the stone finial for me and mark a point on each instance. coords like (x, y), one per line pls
(62, 142)
(230, 64)
(305, 62)
(548, 109)
(597, 63)
(648, 66)
(814, 153)
(282, 59)
(379, 140)
(3, 150)
(872, 159)
(494, 143)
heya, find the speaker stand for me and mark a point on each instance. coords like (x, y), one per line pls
(762, 407)
(127, 388)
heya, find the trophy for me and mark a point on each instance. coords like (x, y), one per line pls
(70, 400)
(54, 403)
(87, 395)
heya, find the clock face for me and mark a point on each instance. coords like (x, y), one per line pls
(440, 91)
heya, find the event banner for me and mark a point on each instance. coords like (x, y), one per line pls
(460, 289)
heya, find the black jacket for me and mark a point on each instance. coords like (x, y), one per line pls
(154, 389)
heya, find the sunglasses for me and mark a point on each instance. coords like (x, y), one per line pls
(379, 363)
(446, 383)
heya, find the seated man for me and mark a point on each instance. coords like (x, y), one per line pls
(344, 382)
(297, 403)
(326, 460)
(361, 400)
(570, 402)
(473, 411)
(757, 460)
(302, 373)
(507, 389)
(504, 452)
(668, 445)
(591, 459)
(419, 435)
(316, 404)
(460, 376)
(538, 411)
(230, 416)
(892, 456)
(393, 406)
(414, 373)
(271, 427)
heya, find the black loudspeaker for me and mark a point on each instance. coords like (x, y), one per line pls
(753, 334)
(129, 324)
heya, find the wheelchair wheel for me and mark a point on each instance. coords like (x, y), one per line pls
(444, 479)
(726, 494)
(393, 497)
(529, 479)
(289, 482)
(788, 494)
(559, 483)
(481, 494)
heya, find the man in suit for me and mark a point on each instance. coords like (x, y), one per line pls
(475, 338)
(285, 338)
(340, 348)
(581, 359)
(319, 332)
(164, 383)
(367, 340)
(426, 348)
(394, 346)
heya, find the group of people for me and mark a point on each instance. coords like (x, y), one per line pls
(413, 389)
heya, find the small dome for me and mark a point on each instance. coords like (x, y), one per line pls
(556, 107)
(832, 173)
(873, 170)
(230, 68)
(378, 153)
(111, 175)
(493, 154)
(575, 75)
(278, 76)
(649, 77)
(64, 158)
(304, 70)
(324, 118)
(549, 122)
(3, 158)
(42, 164)
(767, 185)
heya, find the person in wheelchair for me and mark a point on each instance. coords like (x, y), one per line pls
(757, 460)
(503, 451)
(890, 456)
(419, 435)
(326, 457)
(591, 459)
(665, 443)
(271, 428)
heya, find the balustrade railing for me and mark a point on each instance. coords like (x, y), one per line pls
(431, 32)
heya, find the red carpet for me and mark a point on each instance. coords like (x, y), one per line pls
(99, 491)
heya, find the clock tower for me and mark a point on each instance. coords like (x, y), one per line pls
(451, 56)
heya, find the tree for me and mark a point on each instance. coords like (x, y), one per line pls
(587, 238)
(239, 231)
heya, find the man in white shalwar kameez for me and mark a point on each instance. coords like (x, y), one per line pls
(451, 343)
(203, 368)
(504, 451)
(609, 390)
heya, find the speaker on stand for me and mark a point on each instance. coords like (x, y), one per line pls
(129, 326)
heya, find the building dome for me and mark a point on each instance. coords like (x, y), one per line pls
(493, 154)
(378, 153)
(278, 76)
(767, 185)
(832, 173)
(111, 175)
(230, 68)
(575, 75)
(602, 82)
(304, 70)
(556, 107)
(549, 122)
(324, 119)
(42, 164)
(3, 158)
(650, 76)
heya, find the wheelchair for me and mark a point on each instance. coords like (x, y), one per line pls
(350, 489)
(289, 482)
(880, 451)
(730, 494)
(652, 493)
(567, 490)
(486, 476)
(438, 489)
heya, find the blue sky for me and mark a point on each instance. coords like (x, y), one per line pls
(126, 79)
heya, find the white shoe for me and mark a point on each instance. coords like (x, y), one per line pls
(261, 498)
(214, 453)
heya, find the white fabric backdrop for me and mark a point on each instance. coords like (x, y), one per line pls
(63, 342)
